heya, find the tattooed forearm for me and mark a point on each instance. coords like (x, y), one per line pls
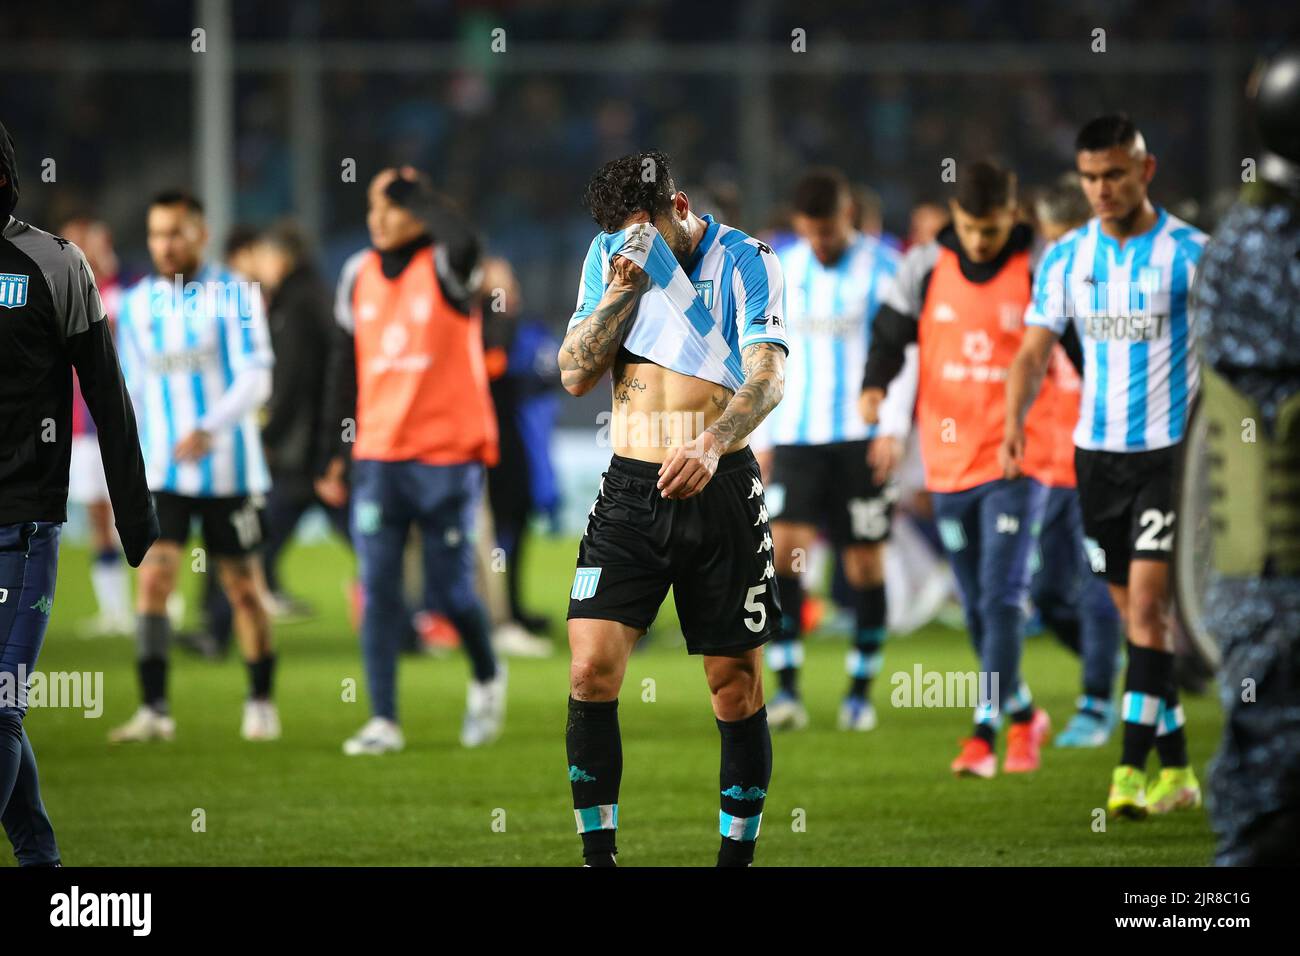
(764, 366)
(590, 346)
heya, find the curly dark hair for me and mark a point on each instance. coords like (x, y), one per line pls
(638, 182)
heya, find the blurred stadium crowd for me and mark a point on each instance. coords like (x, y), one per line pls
(514, 146)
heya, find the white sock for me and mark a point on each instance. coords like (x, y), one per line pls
(112, 592)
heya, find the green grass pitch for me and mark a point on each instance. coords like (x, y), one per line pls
(882, 798)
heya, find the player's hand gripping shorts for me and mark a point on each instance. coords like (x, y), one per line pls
(713, 549)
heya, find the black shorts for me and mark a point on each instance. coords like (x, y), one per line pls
(1128, 507)
(713, 549)
(831, 486)
(231, 527)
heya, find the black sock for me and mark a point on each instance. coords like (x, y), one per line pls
(260, 674)
(595, 771)
(790, 589)
(1171, 747)
(744, 778)
(868, 638)
(153, 682)
(1149, 675)
(153, 634)
(985, 731)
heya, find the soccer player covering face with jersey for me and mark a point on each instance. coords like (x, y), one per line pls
(687, 315)
(1123, 280)
(836, 278)
(961, 298)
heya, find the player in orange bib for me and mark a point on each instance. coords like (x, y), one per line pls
(1072, 601)
(409, 389)
(962, 299)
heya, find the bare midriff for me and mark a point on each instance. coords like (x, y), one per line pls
(656, 410)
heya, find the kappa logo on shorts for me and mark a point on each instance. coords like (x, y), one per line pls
(13, 290)
(584, 583)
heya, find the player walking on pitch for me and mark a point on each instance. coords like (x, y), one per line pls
(407, 367)
(961, 299)
(51, 321)
(1072, 601)
(836, 277)
(197, 358)
(1123, 280)
(688, 315)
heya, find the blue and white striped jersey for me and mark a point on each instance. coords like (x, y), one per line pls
(181, 350)
(738, 280)
(829, 314)
(1130, 308)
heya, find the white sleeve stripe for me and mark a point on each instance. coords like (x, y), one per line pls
(347, 285)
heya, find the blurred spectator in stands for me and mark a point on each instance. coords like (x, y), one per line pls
(869, 216)
(722, 195)
(778, 231)
(928, 217)
(521, 366)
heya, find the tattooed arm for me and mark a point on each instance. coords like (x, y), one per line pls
(590, 346)
(764, 365)
(690, 467)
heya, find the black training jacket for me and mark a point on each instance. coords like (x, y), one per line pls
(52, 321)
